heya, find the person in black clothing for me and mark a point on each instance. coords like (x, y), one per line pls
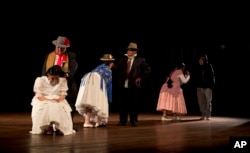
(132, 72)
(204, 81)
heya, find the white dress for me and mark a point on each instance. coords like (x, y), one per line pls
(44, 113)
(92, 95)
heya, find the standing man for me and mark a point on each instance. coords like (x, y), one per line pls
(132, 72)
(67, 60)
(205, 81)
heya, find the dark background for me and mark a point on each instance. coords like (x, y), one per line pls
(164, 33)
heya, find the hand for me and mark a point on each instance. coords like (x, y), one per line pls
(61, 98)
(56, 100)
(138, 82)
(66, 75)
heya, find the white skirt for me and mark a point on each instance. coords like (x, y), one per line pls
(46, 112)
(91, 95)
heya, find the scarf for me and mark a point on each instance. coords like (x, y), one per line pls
(62, 61)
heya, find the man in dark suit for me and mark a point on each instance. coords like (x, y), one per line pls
(132, 70)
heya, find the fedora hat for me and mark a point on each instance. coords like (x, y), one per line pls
(107, 57)
(133, 46)
(61, 42)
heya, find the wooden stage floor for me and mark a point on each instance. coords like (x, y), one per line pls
(150, 136)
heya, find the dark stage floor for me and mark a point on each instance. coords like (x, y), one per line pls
(151, 135)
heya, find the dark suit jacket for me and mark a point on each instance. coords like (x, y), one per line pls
(139, 69)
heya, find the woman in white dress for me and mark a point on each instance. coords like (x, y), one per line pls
(95, 94)
(51, 112)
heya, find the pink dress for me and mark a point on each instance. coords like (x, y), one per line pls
(172, 99)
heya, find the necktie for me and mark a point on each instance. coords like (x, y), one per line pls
(128, 66)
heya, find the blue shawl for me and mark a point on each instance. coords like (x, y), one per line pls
(106, 75)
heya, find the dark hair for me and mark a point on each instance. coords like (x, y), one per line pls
(180, 65)
(108, 62)
(55, 70)
(204, 57)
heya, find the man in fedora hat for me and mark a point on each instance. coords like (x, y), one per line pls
(67, 60)
(132, 70)
(94, 108)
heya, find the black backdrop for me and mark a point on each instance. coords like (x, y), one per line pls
(163, 36)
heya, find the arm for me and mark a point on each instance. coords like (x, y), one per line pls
(38, 90)
(60, 98)
(63, 90)
(184, 79)
(146, 69)
(73, 65)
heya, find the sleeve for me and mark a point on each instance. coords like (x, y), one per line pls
(63, 86)
(73, 65)
(184, 79)
(38, 87)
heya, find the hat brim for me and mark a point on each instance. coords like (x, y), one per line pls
(59, 45)
(136, 49)
(104, 59)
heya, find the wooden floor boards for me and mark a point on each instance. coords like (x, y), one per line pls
(151, 135)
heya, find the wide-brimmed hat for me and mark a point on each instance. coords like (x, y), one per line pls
(61, 42)
(107, 57)
(133, 46)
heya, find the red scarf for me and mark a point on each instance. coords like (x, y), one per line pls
(60, 59)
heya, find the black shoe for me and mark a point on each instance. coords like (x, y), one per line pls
(121, 124)
(102, 125)
(48, 131)
(58, 132)
(133, 123)
(75, 129)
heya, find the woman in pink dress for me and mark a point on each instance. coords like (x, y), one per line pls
(171, 99)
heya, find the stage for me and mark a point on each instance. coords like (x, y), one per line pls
(152, 135)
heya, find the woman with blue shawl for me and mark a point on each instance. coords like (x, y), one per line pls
(95, 94)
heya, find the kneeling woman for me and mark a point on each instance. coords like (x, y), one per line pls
(51, 113)
(95, 94)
